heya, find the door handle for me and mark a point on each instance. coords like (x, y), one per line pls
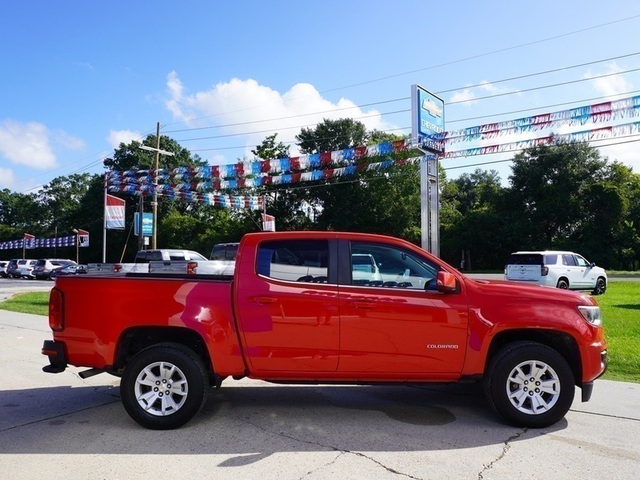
(264, 300)
(362, 304)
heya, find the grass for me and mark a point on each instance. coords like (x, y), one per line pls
(36, 303)
(621, 312)
(620, 309)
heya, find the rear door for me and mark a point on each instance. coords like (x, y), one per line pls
(395, 322)
(287, 306)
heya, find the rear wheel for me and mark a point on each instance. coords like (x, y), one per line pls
(530, 385)
(164, 386)
(563, 284)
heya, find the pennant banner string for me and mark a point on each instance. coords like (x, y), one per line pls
(601, 112)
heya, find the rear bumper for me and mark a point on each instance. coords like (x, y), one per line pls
(57, 358)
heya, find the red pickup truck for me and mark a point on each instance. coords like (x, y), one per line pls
(327, 307)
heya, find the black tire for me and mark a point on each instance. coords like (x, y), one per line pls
(601, 286)
(563, 284)
(164, 386)
(520, 401)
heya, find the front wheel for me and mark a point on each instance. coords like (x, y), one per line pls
(164, 386)
(530, 385)
(601, 287)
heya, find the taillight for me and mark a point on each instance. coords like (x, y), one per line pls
(544, 271)
(56, 310)
(192, 267)
(117, 267)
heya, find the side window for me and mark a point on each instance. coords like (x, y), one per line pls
(550, 259)
(568, 260)
(294, 260)
(581, 261)
(376, 265)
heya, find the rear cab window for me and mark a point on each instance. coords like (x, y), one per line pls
(305, 261)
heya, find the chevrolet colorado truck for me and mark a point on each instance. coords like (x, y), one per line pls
(327, 307)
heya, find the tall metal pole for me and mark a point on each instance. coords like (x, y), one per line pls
(155, 190)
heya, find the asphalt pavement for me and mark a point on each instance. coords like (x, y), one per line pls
(63, 427)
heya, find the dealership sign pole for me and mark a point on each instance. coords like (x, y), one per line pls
(427, 122)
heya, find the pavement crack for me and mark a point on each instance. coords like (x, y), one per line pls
(328, 464)
(330, 447)
(505, 448)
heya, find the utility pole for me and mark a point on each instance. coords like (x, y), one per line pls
(154, 202)
(75, 230)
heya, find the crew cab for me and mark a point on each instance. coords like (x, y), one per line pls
(327, 307)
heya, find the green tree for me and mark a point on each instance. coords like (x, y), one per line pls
(549, 185)
(330, 135)
(269, 149)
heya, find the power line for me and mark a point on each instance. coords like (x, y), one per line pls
(371, 104)
(431, 67)
(407, 110)
(473, 57)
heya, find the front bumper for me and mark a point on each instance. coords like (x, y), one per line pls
(587, 387)
(57, 358)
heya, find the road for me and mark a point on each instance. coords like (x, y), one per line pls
(63, 427)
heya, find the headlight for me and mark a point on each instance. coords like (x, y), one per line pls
(591, 314)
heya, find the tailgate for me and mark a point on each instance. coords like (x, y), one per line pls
(528, 273)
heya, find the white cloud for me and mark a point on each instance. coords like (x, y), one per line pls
(611, 85)
(468, 96)
(7, 177)
(241, 106)
(116, 137)
(26, 144)
(67, 141)
(464, 96)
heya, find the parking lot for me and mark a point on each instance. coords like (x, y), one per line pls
(60, 426)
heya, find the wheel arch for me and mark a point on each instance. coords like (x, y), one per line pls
(563, 343)
(134, 340)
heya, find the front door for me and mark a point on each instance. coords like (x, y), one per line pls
(393, 320)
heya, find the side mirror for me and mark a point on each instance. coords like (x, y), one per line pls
(447, 282)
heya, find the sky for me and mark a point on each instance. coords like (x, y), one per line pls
(77, 77)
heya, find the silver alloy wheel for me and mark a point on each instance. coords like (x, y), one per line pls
(161, 389)
(533, 387)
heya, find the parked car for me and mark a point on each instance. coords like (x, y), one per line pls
(168, 255)
(45, 266)
(25, 268)
(3, 269)
(72, 269)
(12, 268)
(225, 251)
(559, 269)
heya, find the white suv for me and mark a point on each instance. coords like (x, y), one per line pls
(556, 269)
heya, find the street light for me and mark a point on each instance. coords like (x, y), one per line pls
(154, 203)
